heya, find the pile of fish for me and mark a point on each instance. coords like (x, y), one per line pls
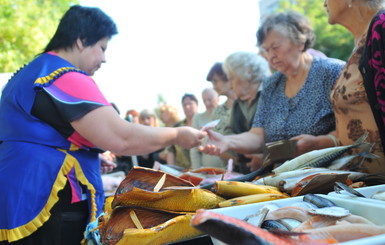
(318, 170)
(164, 205)
(309, 180)
(315, 220)
(332, 157)
(153, 207)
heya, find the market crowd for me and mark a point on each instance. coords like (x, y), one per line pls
(56, 126)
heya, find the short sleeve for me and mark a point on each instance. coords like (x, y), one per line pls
(74, 95)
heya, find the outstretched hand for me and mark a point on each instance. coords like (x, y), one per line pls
(216, 144)
(189, 137)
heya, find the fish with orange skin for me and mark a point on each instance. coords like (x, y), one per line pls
(197, 175)
(138, 189)
(232, 230)
(209, 175)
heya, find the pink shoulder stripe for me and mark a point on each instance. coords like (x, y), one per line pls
(80, 86)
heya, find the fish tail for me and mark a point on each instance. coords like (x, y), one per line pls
(367, 155)
(362, 139)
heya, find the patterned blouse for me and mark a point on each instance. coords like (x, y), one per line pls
(308, 112)
(352, 111)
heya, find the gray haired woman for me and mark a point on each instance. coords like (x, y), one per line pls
(246, 72)
(295, 99)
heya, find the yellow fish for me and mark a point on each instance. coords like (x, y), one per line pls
(136, 225)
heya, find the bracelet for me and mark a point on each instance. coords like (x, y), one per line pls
(334, 139)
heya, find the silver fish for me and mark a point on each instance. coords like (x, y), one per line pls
(345, 160)
(274, 180)
(290, 176)
(318, 200)
(288, 184)
(272, 225)
(319, 158)
(338, 187)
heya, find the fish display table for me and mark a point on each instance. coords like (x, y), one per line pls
(371, 211)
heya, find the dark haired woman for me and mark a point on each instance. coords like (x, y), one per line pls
(54, 121)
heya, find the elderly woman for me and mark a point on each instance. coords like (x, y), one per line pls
(359, 93)
(246, 72)
(295, 99)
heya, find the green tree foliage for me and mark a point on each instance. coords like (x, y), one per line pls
(333, 40)
(26, 27)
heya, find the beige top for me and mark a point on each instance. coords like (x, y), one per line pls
(352, 111)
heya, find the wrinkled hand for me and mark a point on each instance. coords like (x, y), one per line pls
(216, 144)
(188, 137)
(106, 165)
(256, 161)
(306, 143)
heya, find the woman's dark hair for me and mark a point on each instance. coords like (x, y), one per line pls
(216, 69)
(190, 96)
(90, 24)
(290, 24)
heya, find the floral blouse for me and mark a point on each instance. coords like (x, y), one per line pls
(353, 114)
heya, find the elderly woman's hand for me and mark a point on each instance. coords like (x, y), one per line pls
(188, 137)
(307, 142)
(216, 144)
(256, 161)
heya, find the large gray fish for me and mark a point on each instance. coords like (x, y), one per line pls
(319, 158)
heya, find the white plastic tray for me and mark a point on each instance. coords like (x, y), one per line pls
(366, 191)
(372, 211)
